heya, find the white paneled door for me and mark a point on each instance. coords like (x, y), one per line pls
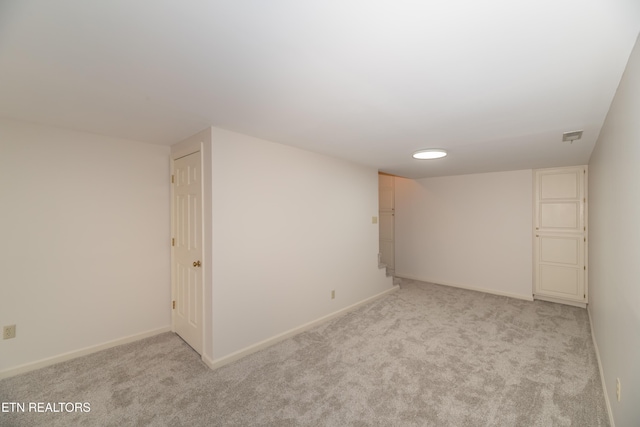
(187, 250)
(386, 212)
(560, 235)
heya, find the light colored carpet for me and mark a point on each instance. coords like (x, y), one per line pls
(426, 355)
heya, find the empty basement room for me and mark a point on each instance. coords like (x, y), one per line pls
(355, 213)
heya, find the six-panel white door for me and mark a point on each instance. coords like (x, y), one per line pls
(560, 235)
(187, 250)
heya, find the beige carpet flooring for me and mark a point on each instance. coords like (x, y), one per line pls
(426, 355)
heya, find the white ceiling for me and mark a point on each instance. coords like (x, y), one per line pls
(495, 82)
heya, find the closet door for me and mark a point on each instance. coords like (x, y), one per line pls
(560, 235)
(386, 212)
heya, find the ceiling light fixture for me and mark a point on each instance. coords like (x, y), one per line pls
(432, 153)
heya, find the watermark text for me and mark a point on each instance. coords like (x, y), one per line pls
(45, 407)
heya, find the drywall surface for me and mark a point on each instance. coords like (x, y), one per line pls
(614, 245)
(289, 226)
(472, 231)
(85, 240)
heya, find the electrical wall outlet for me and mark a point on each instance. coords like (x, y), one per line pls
(618, 388)
(9, 332)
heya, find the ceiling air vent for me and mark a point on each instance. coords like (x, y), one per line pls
(572, 136)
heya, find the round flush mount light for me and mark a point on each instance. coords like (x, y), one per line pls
(432, 153)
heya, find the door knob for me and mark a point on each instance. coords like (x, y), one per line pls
(196, 263)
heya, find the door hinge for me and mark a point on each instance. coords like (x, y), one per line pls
(173, 241)
(173, 179)
(585, 240)
(173, 305)
(585, 267)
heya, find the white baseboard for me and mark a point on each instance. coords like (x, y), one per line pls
(217, 363)
(470, 288)
(32, 366)
(604, 384)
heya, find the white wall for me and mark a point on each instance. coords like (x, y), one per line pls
(614, 245)
(471, 231)
(85, 230)
(288, 227)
